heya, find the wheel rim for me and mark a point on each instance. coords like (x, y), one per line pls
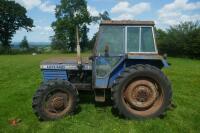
(142, 97)
(57, 103)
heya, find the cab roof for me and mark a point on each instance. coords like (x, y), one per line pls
(128, 22)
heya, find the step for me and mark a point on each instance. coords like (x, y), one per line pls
(100, 98)
(100, 95)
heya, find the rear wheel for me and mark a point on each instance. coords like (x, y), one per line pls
(54, 100)
(141, 92)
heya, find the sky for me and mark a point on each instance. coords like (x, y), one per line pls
(164, 12)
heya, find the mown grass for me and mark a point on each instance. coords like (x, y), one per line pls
(20, 76)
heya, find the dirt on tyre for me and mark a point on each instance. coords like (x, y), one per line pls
(54, 100)
(141, 92)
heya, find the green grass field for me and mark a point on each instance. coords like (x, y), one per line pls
(20, 76)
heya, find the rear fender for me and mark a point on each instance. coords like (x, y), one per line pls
(159, 63)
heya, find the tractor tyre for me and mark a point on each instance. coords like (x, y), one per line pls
(141, 92)
(55, 99)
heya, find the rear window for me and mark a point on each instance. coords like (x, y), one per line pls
(147, 41)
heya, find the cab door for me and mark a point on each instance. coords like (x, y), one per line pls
(109, 51)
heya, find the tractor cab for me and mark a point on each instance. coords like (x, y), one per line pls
(121, 44)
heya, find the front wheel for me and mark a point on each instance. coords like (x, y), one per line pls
(141, 92)
(54, 100)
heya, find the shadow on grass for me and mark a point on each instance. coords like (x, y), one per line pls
(87, 97)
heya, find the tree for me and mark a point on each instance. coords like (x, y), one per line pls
(104, 16)
(101, 17)
(161, 41)
(12, 18)
(180, 40)
(92, 41)
(97, 19)
(24, 44)
(69, 14)
(84, 38)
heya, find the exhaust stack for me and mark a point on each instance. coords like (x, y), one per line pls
(78, 47)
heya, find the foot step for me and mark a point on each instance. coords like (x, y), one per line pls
(100, 98)
(100, 95)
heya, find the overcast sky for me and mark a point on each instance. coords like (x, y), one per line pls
(164, 13)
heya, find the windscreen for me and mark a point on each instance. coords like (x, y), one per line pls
(111, 39)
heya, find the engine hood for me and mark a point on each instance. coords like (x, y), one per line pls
(65, 64)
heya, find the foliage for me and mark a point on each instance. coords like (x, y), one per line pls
(21, 76)
(180, 40)
(104, 16)
(69, 14)
(12, 18)
(97, 19)
(101, 17)
(84, 38)
(24, 44)
(33, 48)
(92, 41)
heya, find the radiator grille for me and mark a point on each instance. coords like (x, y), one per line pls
(54, 74)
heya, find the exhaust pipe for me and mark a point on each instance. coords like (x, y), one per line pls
(78, 47)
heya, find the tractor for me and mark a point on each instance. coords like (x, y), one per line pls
(124, 62)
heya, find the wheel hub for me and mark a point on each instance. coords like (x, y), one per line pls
(57, 103)
(140, 94)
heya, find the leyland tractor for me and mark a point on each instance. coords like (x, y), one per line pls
(124, 62)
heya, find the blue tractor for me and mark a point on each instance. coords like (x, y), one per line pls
(125, 62)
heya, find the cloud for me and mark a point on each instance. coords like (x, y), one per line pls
(128, 11)
(93, 27)
(43, 30)
(93, 11)
(29, 4)
(181, 5)
(47, 7)
(43, 6)
(39, 28)
(124, 16)
(175, 12)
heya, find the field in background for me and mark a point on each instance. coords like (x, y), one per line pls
(20, 76)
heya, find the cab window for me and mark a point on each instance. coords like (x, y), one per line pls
(147, 41)
(112, 39)
(140, 39)
(133, 38)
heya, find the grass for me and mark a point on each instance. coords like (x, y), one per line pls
(20, 76)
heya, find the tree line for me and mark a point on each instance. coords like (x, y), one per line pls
(182, 40)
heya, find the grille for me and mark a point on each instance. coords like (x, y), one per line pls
(54, 74)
